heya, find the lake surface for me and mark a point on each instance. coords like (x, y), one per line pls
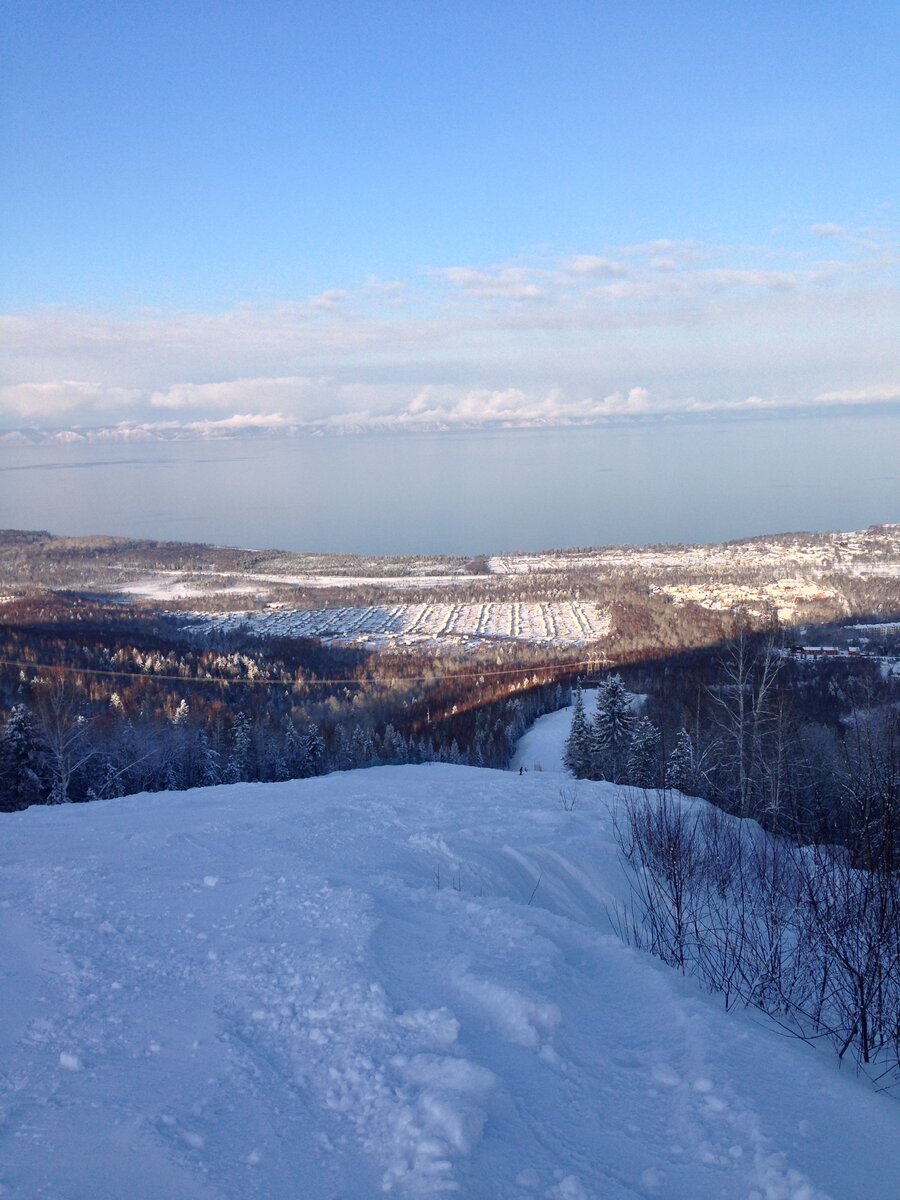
(468, 493)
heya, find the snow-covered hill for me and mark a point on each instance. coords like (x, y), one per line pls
(397, 980)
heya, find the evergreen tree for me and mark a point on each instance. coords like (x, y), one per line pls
(341, 756)
(20, 766)
(107, 780)
(293, 755)
(314, 752)
(360, 749)
(127, 755)
(681, 769)
(207, 761)
(277, 764)
(641, 767)
(112, 780)
(611, 731)
(179, 751)
(238, 766)
(515, 726)
(171, 782)
(576, 756)
(393, 746)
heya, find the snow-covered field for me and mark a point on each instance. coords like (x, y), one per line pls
(564, 622)
(177, 585)
(174, 585)
(395, 981)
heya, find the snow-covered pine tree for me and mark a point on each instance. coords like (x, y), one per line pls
(341, 757)
(360, 748)
(576, 755)
(111, 779)
(681, 769)
(314, 751)
(179, 747)
(611, 731)
(128, 753)
(276, 761)
(294, 751)
(20, 767)
(643, 753)
(515, 725)
(237, 768)
(106, 780)
(171, 780)
(207, 761)
(393, 746)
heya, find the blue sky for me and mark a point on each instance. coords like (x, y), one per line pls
(347, 212)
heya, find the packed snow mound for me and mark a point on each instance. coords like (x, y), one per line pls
(395, 981)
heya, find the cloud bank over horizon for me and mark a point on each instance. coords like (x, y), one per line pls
(636, 332)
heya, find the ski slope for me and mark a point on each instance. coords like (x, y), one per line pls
(397, 981)
(541, 747)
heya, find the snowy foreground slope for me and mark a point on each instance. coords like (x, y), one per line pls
(397, 980)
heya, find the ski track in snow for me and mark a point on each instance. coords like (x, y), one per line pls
(399, 981)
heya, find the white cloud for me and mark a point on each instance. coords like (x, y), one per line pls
(331, 300)
(682, 252)
(508, 283)
(866, 395)
(239, 423)
(630, 332)
(595, 267)
(737, 277)
(58, 398)
(439, 407)
(236, 393)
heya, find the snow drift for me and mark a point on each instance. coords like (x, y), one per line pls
(393, 981)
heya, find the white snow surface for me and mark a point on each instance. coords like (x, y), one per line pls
(171, 585)
(541, 747)
(394, 981)
(561, 622)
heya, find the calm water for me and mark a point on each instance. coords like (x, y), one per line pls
(470, 492)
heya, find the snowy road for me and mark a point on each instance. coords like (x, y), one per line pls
(394, 981)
